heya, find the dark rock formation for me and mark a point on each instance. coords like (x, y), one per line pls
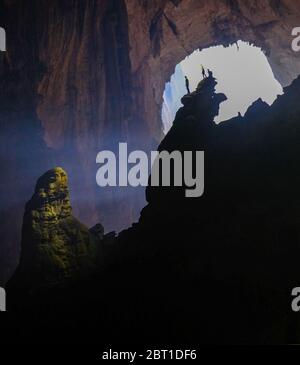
(98, 230)
(214, 269)
(56, 247)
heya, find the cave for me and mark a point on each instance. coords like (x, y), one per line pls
(78, 77)
(72, 108)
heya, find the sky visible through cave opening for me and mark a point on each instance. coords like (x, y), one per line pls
(243, 74)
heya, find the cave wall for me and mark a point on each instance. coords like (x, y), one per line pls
(23, 152)
(82, 75)
(162, 33)
(85, 96)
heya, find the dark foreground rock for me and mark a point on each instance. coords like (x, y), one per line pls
(215, 269)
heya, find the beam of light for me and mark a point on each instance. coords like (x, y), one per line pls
(243, 74)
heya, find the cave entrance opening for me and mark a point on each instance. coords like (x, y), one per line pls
(243, 74)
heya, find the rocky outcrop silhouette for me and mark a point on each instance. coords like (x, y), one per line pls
(224, 264)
